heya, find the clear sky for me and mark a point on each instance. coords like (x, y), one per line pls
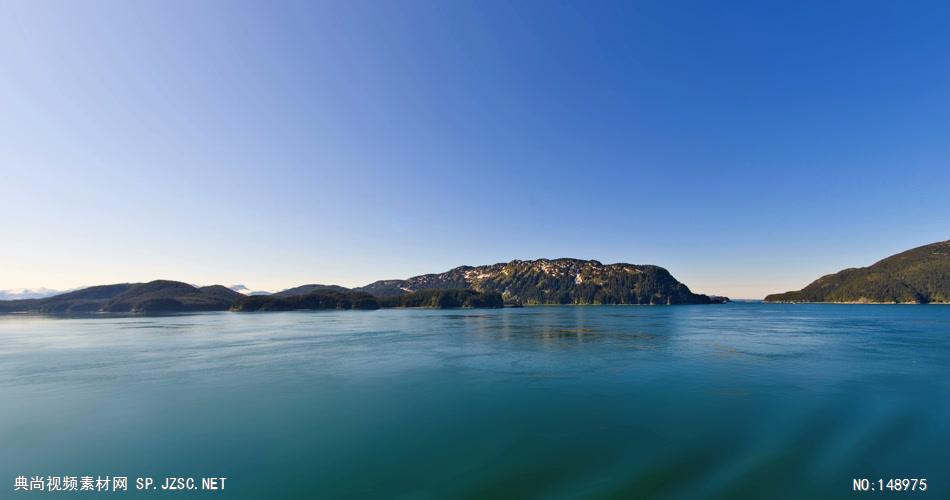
(748, 148)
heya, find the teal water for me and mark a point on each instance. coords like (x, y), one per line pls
(731, 401)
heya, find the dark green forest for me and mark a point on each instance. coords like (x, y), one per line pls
(445, 299)
(318, 299)
(333, 299)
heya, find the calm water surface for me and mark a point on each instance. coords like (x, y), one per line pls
(733, 401)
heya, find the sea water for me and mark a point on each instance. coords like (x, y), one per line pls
(723, 401)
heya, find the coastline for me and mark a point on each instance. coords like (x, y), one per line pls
(857, 302)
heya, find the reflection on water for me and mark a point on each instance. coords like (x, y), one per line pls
(734, 401)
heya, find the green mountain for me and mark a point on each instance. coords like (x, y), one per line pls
(160, 296)
(920, 275)
(557, 281)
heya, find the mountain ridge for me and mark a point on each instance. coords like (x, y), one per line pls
(920, 275)
(540, 281)
(555, 281)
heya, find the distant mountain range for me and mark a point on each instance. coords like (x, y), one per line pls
(542, 281)
(243, 290)
(28, 293)
(307, 289)
(919, 276)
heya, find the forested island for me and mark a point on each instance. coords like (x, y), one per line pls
(917, 276)
(515, 283)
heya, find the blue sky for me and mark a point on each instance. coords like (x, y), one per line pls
(748, 148)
